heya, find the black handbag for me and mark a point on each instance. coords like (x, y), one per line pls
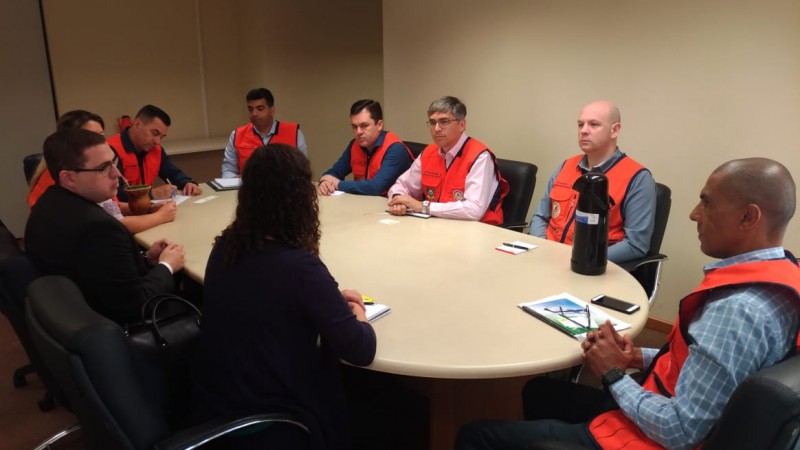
(168, 331)
(164, 344)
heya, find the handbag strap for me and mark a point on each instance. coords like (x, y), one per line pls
(158, 300)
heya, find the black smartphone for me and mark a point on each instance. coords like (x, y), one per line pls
(615, 304)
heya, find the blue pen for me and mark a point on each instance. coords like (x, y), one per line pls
(174, 189)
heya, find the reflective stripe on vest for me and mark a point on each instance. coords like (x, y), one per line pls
(564, 200)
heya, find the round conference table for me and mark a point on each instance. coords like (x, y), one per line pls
(454, 329)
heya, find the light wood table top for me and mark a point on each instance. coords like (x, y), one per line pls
(453, 296)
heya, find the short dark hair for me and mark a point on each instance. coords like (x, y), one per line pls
(370, 105)
(77, 118)
(65, 149)
(150, 112)
(259, 93)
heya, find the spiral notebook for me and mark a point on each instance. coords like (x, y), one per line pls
(570, 315)
(375, 311)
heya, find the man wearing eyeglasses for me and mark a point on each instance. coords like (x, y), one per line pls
(374, 156)
(456, 177)
(69, 234)
(142, 158)
(630, 186)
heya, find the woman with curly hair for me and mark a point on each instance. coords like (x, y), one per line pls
(275, 324)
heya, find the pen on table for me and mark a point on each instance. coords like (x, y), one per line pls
(508, 244)
(588, 318)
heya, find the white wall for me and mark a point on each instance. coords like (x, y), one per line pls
(698, 83)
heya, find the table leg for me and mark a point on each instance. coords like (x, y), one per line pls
(454, 403)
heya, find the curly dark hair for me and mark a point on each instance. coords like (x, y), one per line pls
(277, 201)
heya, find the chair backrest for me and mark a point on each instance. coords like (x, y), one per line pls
(29, 165)
(647, 270)
(415, 147)
(663, 205)
(763, 412)
(91, 361)
(16, 273)
(521, 177)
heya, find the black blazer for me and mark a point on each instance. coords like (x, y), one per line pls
(69, 235)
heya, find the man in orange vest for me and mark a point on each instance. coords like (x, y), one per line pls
(375, 157)
(263, 129)
(142, 159)
(742, 318)
(631, 187)
(456, 177)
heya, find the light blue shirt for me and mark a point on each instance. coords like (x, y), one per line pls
(638, 211)
(230, 163)
(739, 331)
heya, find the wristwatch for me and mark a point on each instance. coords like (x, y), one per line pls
(611, 376)
(425, 205)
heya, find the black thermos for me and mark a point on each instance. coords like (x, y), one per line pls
(590, 243)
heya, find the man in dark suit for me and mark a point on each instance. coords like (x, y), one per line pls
(69, 234)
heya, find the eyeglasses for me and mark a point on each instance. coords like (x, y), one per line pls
(441, 122)
(104, 168)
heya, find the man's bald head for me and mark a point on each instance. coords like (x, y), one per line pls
(610, 110)
(598, 129)
(763, 182)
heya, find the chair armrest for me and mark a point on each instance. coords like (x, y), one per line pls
(214, 428)
(632, 265)
(515, 226)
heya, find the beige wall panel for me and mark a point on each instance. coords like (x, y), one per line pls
(198, 58)
(698, 83)
(220, 34)
(317, 58)
(27, 116)
(112, 57)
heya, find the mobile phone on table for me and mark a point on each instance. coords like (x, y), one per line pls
(615, 304)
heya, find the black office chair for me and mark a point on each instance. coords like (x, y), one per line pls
(16, 272)
(521, 177)
(29, 165)
(647, 270)
(415, 147)
(762, 414)
(118, 401)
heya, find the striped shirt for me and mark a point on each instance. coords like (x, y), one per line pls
(737, 332)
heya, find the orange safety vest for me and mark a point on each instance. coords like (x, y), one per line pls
(130, 162)
(446, 184)
(564, 199)
(44, 182)
(612, 429)
(247, 141)
(364, 165)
